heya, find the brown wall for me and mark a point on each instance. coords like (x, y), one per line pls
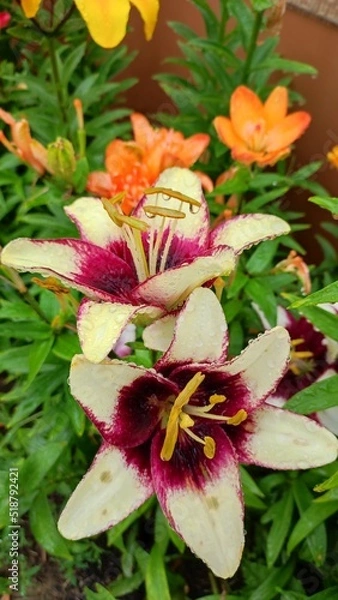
(304, 38)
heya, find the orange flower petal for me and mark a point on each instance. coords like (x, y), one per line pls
(100, 184)
(226, 132)
(144, 133)
(192, 148)
(276, 106)
(287, 131)
(106, 20)
(30, 7)
(121, 157)
(148, 10)
(246, 109)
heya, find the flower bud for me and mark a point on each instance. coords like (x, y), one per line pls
(61, 158)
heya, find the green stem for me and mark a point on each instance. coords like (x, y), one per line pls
(57, 83)
(252, 46)
(223, 21)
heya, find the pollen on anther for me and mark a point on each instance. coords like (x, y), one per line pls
(209, 447)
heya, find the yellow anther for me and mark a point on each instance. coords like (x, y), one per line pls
(296, 342)
(162, 211)
(175, 416)
(217, 398)
(172, 194)
(186, 421)
(300, 354)
(209, 447)
(238, 418)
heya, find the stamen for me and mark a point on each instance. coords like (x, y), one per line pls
(162, 211)
(238, 418)
(175, 414)
(217, 398)
(297, 341)
(133, 222)
(208, 443)
(173, 194)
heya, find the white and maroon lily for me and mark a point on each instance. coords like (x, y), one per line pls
(181, 428)
(144, 265)
(313, 357)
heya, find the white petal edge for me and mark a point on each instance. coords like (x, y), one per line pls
(170, 288)
(211, 521)
(246, 230)
(263, 362)
(96, 387)
(201, 331)
(329, 419)
(284, 440)
(108, 493)
(93, 222)
(195, 225)
(100, 325)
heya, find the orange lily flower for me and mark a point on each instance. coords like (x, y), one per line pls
(260, 132)
(135, 165)
(107, 19)
(23, 145)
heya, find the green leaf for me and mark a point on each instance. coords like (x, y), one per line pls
(282, 64)
(328, 594)
(324, 320)
(280, 528)
(276, 578)
(318, 396)
(316, 541)
(310, 519)
(66, 346)
(101, 593)
(37, 465)
(330, 204)
(265, 298)
(260, 5)
(328, 484)
(327, 294)
(44, 528)
(156, 579)
(38, 354)
(261, 259)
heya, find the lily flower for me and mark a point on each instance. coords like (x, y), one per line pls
(107, 21)
(313, 357)
(23, 145)
(135, 165)
(180, 430)
(260, 132)
(140, 266)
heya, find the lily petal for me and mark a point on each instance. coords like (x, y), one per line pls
(100, 325)
(202, 500)
(201, 331)
(117, 483)
(158, 335)
(93, 222)
(148, 10)
(83, 266)
(279, 439)
(276, 106)
(30, 7)
(287, 131)
(116, 395)
(227, 134)
(171, 287)
(106, 20)
(195, 225)
(261, 366)
(245, 230)
(329, 418)
(246, 111)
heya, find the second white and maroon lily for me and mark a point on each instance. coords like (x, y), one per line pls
(181, 428)
(144, 265)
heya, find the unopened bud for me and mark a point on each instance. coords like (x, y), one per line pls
(61, 158)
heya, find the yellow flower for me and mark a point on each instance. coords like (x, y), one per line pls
(107, 19)
(332, 156)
